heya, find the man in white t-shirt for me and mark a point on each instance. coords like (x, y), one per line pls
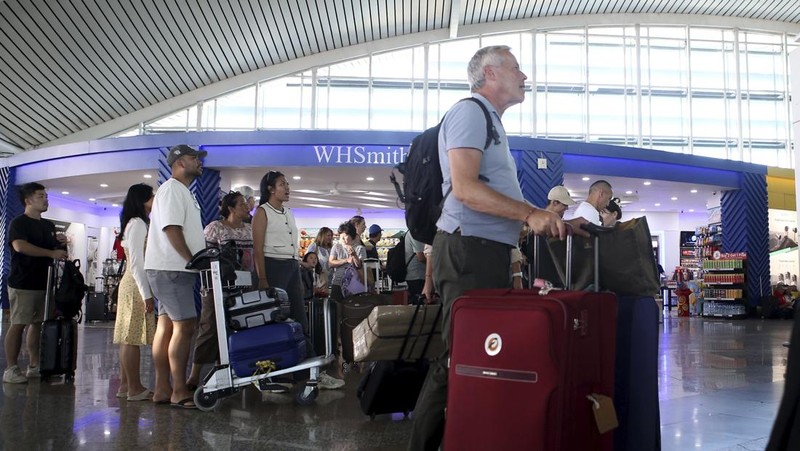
(176, 233)
(600, 193)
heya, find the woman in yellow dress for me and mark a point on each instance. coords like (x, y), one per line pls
(135, 323)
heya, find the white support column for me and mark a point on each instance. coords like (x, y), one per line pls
(794, 71)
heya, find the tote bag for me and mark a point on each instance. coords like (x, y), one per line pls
(350, 282)
(627, 263)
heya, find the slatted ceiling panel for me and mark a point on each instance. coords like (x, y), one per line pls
(216, 38)
(182, 56)
(136, 95)
(53, 67)
(373, 20)
(34, 88)
(258, 27)
(358, 20)
(149, 50)
(231, 23)
(94, 70)
(303, 24)
(278, 32)
(344, 11)
(125, 52)
(50, 120)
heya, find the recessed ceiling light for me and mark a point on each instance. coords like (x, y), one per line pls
(657, 204)
(115, 205)
(369, 179)
(691, 210)
(646, 183)
(64, 192)
(585, 179)
(629, 192)
(92, 199)
(147, 176)
(296, 177)
(673, 198)
(103, 185)
(641, 209)
(693, 191)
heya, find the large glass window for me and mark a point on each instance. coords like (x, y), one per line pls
(716, 92)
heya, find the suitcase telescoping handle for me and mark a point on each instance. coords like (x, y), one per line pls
(594, 230)
(51, 285)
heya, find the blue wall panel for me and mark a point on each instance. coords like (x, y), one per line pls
(11, 208)
(745, 218)
(536, 183)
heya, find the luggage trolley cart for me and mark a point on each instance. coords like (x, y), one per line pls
(222, 381)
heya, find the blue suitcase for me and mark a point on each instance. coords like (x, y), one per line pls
(636, 375)
(283, 343)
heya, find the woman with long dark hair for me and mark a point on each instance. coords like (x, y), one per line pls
(232, 227)
(135, 323)
(275, 245)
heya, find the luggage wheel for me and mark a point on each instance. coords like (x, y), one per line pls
(206, 401)
(306, 395)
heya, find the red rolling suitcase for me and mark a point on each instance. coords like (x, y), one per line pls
(526, 368)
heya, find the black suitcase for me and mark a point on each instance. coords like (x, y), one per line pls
(95, 307)
(316, 321)
(352, 310)
(249, 309)
(394, 385)
(58, 346)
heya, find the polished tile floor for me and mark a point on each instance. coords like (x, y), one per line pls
(720, 384)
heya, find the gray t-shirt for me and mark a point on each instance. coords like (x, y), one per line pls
(338, 252)
(465, 126)
(415, 269)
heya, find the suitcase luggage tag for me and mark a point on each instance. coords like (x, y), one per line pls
(604, 414)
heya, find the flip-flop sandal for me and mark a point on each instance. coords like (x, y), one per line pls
(122, 394)
(184, 404)
(161, 401)
(143, 396)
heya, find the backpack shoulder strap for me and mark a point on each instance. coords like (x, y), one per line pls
(491, 130)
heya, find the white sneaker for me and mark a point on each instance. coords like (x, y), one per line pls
(33, 372)
(13, 375)
(326, 382)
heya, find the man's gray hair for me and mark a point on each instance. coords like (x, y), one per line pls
(487, 56)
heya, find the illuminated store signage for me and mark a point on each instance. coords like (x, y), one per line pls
(305, 154)
(380, 155)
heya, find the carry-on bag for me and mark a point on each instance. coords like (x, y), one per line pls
(353, 310)
(394, 385)
(389, 331)
(282, 343)
(316, 320)
(58, 345)
(256, 308)
(636, 375)
(95, 307)
(531, 369)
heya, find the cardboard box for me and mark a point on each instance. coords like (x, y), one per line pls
(380, 336)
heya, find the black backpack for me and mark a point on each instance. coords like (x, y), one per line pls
(422, 179)
(71, 290)
(396, 263)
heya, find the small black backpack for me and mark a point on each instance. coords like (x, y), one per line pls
(422, 179)
(71, 290)
(396, 263)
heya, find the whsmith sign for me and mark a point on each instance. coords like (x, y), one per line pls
(305, 155)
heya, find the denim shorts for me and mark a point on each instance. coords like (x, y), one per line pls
(174, 291)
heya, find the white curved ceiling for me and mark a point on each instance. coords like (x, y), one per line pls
(72, 66)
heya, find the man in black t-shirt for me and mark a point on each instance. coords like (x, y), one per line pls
(34, 245)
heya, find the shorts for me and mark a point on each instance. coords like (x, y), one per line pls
(174, 291)
(27, 306)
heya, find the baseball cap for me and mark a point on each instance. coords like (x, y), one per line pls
(560, 194)
(375, 229)
(180, 150)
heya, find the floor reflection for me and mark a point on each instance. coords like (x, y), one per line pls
(720, 384)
